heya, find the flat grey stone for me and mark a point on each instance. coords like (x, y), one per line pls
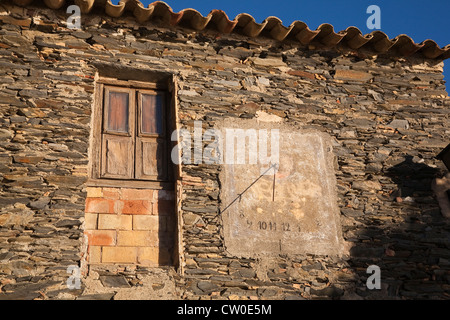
(399, 124)
(114, 281)
(206, 286)
(97, 296)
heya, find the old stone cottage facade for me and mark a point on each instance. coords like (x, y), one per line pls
(88, 179)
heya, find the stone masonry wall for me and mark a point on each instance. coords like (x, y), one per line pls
(389, 118)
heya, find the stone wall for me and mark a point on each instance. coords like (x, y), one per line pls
(388, 117)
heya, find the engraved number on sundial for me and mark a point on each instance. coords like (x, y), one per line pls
(273, 226)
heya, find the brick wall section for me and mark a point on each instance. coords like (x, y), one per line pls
(389, 117)
(130, 226)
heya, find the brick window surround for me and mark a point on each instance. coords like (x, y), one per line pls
(131, 219)
(130, 226)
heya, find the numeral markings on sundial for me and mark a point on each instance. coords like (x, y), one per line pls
(273, 226)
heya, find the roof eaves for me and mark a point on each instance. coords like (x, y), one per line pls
(352, 37)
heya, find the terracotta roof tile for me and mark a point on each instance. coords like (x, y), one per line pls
(272, 26)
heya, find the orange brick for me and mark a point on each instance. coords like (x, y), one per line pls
(148, 256)
(114, 221)
(137, 194)
(118, 206)
(164, 207)
(95, 254)
(94, 192)
(99, 205)
(90, 221)
(119, 255)
(101, 237)
(151, 223)
(137, 207)
(111, 193)
(153, 256)
(137, 238)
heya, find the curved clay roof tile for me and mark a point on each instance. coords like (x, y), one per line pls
(354, 38)
(85, 5)
(249, 26)
(220, 19)
(54, 4)
(380, 42)
(271, 26)
(113, 10)
(431, 50)
(327, 36)
(305, 35)
(141, 13)
(276, 29)
(405, 45)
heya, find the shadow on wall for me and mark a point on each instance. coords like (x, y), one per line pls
(167, 233)
(413, 179)
(408, 239)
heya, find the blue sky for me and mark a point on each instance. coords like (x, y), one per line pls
(419, 19)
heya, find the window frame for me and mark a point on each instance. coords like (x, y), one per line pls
(98, 122)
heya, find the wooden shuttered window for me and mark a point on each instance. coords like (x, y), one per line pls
(134, 134)
(117, 142)
(151, 146)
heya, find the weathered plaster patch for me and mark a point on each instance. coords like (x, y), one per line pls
(293, 212)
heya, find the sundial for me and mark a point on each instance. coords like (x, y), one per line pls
(283, 207)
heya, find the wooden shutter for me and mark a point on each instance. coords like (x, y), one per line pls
(151, 140)
(118, 133)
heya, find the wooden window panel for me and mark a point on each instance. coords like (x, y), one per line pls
(117, 110)
(117, 157)
(151, 159)
(151, 144)
(152, 113)
(118, 137)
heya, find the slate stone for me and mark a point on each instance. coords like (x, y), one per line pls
(4, 257)
(67, 223)
(33, 93)
(81, 34)
(40, 203)
(314, 266)
(399, 124)
(116, 281)
(267, 292)
(332, 292)
(25, 291)
(20, 294)
(294, 297)
(207, 286)
(6, 134)
(97, 296)
(158, 286)
(10, 100)
(247, 273)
